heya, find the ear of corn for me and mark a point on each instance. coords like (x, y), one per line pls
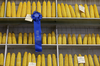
(86, 60)
(53, 39)
(30, 38)
(8, 60)
(79, 39)
(68, 14)
(48, 9)
(89, 39)
(2, 9)
(9, 38)
(96, 14)
(53, 12)
(25, 59)
(12, 62)
(43, 60)
(77, 11)
(64, 39)
(13, 9)
(18, 61)
(28, 8)
(44, 39)
(96, 62)
(0, 37)
(90, 60)
(82, 13)
(23, 13)
(49, 38)
(44, 9)
(85, 39)
(19, 10)
(66, 60)
(59, 39)
(4, 38)
(93, 39)
(61, 59)
(33, 58)
(59, 10)
(86, 11)
(97, 39)
(73, 39)
(39, 6)
(80, 64)
(28, 58)
(13, 38)
(70, 60)
(1, 59)
(33, 7)
(39, 60)
(49, 60)
(91, 11)
(20, 38)
(54, 61)
(72, 11)
(69, 39)
(63, 10)
(33, 39)
(8, 9)
(75, 60)
(25, 38)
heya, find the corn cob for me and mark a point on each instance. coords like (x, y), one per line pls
(1, 59)
(59, 39)
(64, 39)
(28, 58)
(19, 10)
(48, 9)
(33, 39)
(30, 38)
(25, 59)
(44, 39)
(96, 62)
(77, 11)
(28, 8)
(23, 13)
(68, 14)
(70, 60)
(89, 39)
(8, 9)
(25, 38)
(80, 64)
(53, 39)
(20, 38)
(79, 39)
(53, 12)
(63, 10)
(85, 39)
(18, 61)
(39, 6)
(86, 60)
(61, 59)
(90, 60)
(91, 11)
(82, 13)
(54, 61)
(49, 38)
(13, 38)
(75, 60)
(97, 39)
(2, 10)
(4, 38)
(93, 39)
(38, 60)
(49, 63)
(0, 37)
(73, 39)
(72, 11)
(43, 60)
(13, 9)
(69, 39)
(59, 10)
(8, 60)
(12, 62)
(66, 60)
(33, 7)
(33, 58)
(44, 9)
(96, 14)
(86, 11)
(9, 38)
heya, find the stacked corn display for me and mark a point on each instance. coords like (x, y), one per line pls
(47, 10)
(68, 11)
(2, 38)
(88, 39)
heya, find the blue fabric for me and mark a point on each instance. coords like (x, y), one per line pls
(36, 16)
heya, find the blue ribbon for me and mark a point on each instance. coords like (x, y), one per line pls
(36, 16)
